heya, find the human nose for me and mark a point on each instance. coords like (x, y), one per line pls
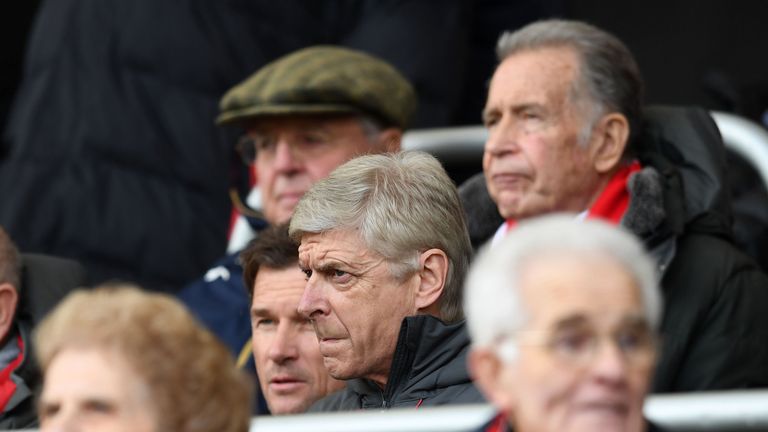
(283, 345)
(313, 302)
(609, 363)
(286, 159)
(502, 138)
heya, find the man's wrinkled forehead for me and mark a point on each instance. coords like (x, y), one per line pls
(342, 246)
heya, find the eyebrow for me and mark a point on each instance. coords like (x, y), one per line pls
(260, 311)
(635, 320)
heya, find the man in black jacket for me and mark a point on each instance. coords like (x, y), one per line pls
(565, 134)
(19, 374)
(385, 248)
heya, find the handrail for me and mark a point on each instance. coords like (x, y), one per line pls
(703, 411)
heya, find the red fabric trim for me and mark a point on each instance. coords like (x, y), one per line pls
(418, 404)
(7, 386)
(498, 424)
(614, 199)
(511, 223)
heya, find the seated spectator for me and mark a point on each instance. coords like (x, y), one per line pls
(18, 374)
(563, 319)
(117, 358)
(288, 361)
(564, 120)
(384, 248)
(304, 114)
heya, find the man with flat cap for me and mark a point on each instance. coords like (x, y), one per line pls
(304, 114)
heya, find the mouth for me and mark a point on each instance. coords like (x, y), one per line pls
(606, 409)
(285, 384)
(508, 180)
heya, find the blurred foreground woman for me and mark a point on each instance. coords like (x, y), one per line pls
(119, 359)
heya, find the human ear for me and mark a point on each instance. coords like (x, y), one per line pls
(609, 141)
(486, 368)
(433, 270)
(8, 300)
(389, 140)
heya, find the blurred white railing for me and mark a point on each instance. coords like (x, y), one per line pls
(705, 411)
(457, 144)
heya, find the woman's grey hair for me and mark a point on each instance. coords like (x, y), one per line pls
(401, 204)
(493, 304)
(609, 77)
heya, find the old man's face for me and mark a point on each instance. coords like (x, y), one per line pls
(584, 357)
(294, 152)
(535, 159)
(355, 304)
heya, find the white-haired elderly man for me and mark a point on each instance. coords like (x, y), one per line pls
(563, 318)
(564, 135)
(385, 249)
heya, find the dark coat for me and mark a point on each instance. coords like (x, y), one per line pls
(429, 368)
(714, 326)
(111, 155)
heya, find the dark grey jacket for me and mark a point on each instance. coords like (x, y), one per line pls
(429, 367)
(714, 327)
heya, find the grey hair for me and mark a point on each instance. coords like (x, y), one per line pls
(10, 261)
(608, 73)
(401, 204)
(370, 125)
(493, 302)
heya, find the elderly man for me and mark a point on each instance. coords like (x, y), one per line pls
(304, 114)
(18, 374)
(554, 347)
(288, 360)
(384, 248)
(563, 115)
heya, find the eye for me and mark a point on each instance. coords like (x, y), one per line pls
(490, 121)
(633, 340)
(313, 138)
(99, 406)
(263, 322)
(572, 343)
(307, 273)
(264, 143)
(340, 276)
(48, 410)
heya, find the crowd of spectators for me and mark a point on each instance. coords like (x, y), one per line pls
(360, 288)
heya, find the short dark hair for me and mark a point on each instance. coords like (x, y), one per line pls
(272, 248)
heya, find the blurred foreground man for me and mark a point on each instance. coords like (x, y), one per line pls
(288, 361)
(563, 115)
(385, 248)
(563, 318)
(304, 115)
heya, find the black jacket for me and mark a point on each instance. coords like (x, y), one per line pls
(429, 368)
(714, 326)
(111, 155)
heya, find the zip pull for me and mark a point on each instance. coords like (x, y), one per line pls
(418, 404)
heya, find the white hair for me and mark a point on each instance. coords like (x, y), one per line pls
(401, 204)
(492, 300)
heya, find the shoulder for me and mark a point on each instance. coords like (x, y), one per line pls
(342, 400)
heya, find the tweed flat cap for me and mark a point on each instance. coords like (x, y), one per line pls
(322, 80)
